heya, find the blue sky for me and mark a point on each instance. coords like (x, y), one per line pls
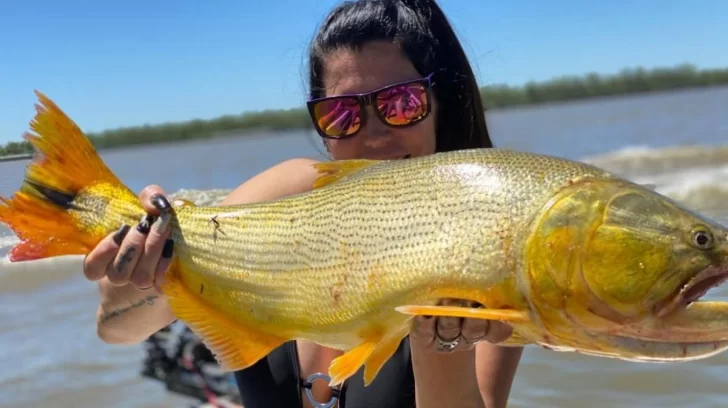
(111, 64)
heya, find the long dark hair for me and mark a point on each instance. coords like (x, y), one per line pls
(421, 29)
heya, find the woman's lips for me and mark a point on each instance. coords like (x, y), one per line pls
(391, 157)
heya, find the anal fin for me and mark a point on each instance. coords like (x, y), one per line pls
(382, 353)
(466, 312)
(234, 345)
(372, 353)
(349, 363)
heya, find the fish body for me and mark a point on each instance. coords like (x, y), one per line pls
(327, 264)
(571, 256)
(332, 265)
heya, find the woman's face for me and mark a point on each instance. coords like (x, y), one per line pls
(376, 65)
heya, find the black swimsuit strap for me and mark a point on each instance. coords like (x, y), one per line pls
(272, 381)
(275, 381)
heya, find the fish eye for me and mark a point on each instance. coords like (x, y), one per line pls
(702, 238)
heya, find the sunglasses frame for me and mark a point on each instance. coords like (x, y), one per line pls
(368, 98)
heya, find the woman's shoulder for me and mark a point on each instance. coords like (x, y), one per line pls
(293, 176)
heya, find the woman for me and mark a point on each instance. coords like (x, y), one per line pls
(421, 98)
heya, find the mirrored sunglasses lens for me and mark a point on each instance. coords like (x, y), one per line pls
(338, 117)
(403, 104)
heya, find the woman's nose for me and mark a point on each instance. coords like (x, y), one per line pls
(376, 133)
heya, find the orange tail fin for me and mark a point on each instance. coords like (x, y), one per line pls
(69, 199)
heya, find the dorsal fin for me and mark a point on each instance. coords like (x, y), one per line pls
(338, 169)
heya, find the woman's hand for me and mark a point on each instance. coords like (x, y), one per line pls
(449, 334)
(448, 368)
(136, 254)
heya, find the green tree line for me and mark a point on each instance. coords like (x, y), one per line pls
(628, 81)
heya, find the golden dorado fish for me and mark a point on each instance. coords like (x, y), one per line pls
(571, 256)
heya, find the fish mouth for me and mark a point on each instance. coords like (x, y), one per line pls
(692, 290)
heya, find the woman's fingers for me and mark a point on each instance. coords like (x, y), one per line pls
(143, 276)
(136, 254)
(443, 334)
(131, 249)
(448, 334)
(423, 330)
(448, 328)
(163, 264)
(156, 238)
(150, 197)
(97, 261)
(476, 330)
(498, 332)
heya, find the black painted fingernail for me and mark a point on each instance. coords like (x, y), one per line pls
(168, 249)
(161, 203)
(121, 234)
(145, 224)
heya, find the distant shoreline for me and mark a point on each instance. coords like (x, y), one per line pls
(629, 81)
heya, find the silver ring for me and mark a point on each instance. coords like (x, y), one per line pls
(319, 376)
(447, 345)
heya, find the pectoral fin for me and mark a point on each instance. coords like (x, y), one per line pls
(514, 316)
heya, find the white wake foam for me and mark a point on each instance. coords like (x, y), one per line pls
(644, 160)
(696, 176)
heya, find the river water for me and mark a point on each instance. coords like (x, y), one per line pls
(50, 355)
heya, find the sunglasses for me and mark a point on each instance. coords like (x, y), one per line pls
(398, 105)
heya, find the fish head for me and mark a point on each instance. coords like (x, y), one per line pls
(617, 268)
(647, 256)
